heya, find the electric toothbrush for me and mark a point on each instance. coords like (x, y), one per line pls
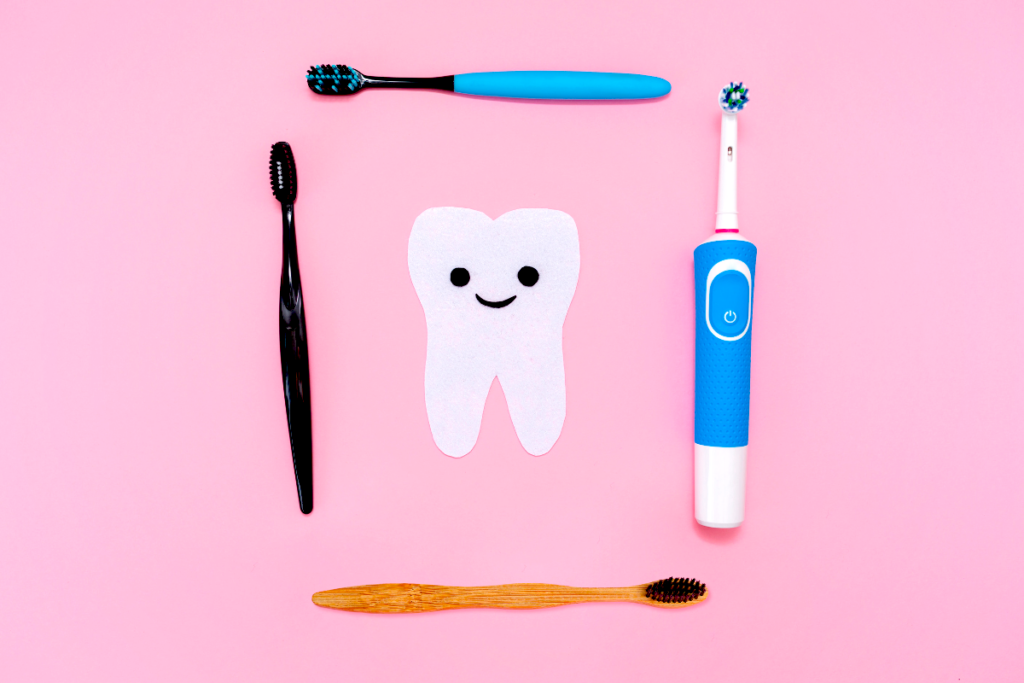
(723, 269)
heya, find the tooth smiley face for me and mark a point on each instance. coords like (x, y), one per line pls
(495, 295)
(528, 276)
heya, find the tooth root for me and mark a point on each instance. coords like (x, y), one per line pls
(469, 343)
(534, 387)
(457, 381)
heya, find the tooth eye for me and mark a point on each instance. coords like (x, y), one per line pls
(460, 277)
(528, 275)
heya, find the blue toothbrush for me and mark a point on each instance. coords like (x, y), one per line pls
(723, 270)
(338, 79)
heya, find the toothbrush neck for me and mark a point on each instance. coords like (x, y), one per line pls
(288, 228)
(726, 219)
(290, 282)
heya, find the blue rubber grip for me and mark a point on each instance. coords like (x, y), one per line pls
(562, 85)
(724, 326)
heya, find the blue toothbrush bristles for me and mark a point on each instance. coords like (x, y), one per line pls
(734, 97)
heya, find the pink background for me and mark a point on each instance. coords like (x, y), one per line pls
(149, 528)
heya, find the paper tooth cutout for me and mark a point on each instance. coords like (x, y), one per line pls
(495, 294)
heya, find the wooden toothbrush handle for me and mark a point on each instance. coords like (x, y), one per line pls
(415, 597)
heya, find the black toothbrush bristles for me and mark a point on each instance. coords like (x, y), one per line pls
(334, 79)
(283, 179)
(675, 590)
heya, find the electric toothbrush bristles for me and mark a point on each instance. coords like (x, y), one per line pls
(733, 97)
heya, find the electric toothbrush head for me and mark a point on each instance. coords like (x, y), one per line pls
(733, 97)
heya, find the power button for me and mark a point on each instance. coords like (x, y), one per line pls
(728, 299)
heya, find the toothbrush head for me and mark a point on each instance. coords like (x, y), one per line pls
(676, 590)
(334, 79)
(283, 181)
(733, 97)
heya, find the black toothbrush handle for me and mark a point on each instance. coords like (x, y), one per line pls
(435, 83)
(295, 364)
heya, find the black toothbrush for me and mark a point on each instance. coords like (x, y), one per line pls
(292, 327)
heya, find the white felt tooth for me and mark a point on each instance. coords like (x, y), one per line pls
(470, 342)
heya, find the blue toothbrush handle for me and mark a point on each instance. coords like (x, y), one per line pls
(724, 286)
(562, 85)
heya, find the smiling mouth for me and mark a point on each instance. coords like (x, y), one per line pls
(495, 304)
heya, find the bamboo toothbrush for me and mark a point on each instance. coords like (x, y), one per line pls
(338, 79)
(396, 598)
